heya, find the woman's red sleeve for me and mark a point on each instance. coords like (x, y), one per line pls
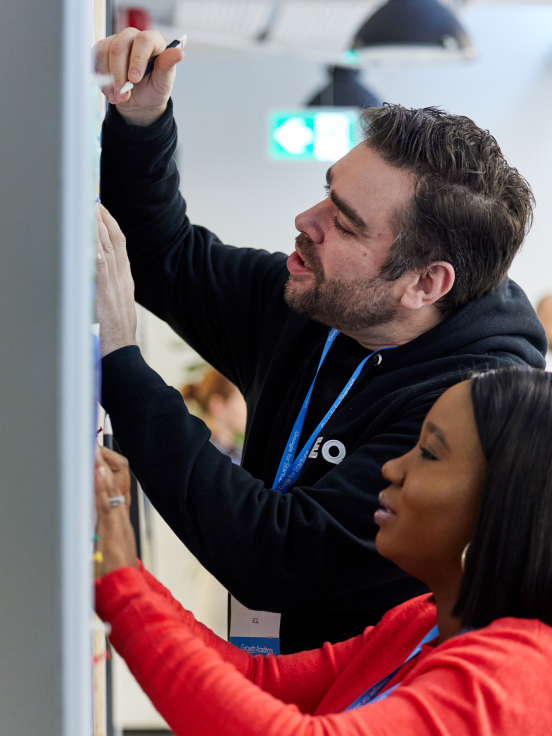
(241, 660)
(181, 664)
(486, 681)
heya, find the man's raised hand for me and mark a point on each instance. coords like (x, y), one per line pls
(124, 57)
(115, 307)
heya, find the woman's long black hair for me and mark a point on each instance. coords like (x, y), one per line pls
(508, 570)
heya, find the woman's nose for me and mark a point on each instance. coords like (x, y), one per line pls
(393, 471)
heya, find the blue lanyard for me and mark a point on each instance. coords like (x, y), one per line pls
(291, 466)
(375, 692)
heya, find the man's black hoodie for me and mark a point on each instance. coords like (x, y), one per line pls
(309, 554)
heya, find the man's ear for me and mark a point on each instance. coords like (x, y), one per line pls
(427, 287)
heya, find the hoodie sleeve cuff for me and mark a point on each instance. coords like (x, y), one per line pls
(127, 378)
(158, 132)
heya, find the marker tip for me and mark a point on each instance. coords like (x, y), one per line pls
(127, 86)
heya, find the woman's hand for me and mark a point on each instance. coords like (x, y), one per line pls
(116, 541)
(115, 307)
(125, 57)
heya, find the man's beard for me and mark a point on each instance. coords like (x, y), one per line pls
(348, 306)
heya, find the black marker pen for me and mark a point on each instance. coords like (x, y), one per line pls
(177, 42)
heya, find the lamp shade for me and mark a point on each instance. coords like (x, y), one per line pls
(344, 90)
(413, 31)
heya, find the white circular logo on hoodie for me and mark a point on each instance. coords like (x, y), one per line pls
(333, 457)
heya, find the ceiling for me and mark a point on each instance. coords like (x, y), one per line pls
(315, 24)
(318, 29)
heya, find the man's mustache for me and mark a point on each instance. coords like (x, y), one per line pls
(307, 251)
(303, 241)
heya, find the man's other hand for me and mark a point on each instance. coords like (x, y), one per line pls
(125, 57)
(115, 308)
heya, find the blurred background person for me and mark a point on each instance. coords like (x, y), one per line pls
(544, 313)
(222, 408)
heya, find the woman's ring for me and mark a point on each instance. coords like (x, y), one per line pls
(116, 500)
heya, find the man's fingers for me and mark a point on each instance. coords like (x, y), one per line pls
(164, 70)
(166, 61)
(97, 235)
(115, 307)
(117, 241)
(101, 263)
(101, 269)
(106, 244)
(100, 54)
(119, 57)
(146, 44)
(124, 58)
(107, 252)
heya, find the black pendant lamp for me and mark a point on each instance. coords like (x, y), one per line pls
(410, 31)
(344, 90)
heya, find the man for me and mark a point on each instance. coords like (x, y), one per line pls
(407, 257)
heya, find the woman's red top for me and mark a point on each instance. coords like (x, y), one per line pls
(496, 680)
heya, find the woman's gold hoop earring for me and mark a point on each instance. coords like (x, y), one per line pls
(463, 558)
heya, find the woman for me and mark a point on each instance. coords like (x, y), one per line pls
(223, 410)
(475, 491)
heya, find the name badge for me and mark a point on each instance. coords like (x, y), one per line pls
(255, 632)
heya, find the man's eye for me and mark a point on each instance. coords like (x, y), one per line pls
(327, 189)
(427, 454)
(340, 227)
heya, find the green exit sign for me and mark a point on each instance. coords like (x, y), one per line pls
(308, 135)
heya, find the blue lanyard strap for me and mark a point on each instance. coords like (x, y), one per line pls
(375, 692)
(291, 466)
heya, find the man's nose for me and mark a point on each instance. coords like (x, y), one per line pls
(311, 222)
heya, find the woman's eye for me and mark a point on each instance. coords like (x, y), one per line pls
(340, 227)
(427, 454)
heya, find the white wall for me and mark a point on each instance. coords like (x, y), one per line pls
(222, 103)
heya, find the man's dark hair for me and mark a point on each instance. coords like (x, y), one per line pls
(508, 570)
(470, 208)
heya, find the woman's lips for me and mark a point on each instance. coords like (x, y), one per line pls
(296, 265)
(386, 512)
